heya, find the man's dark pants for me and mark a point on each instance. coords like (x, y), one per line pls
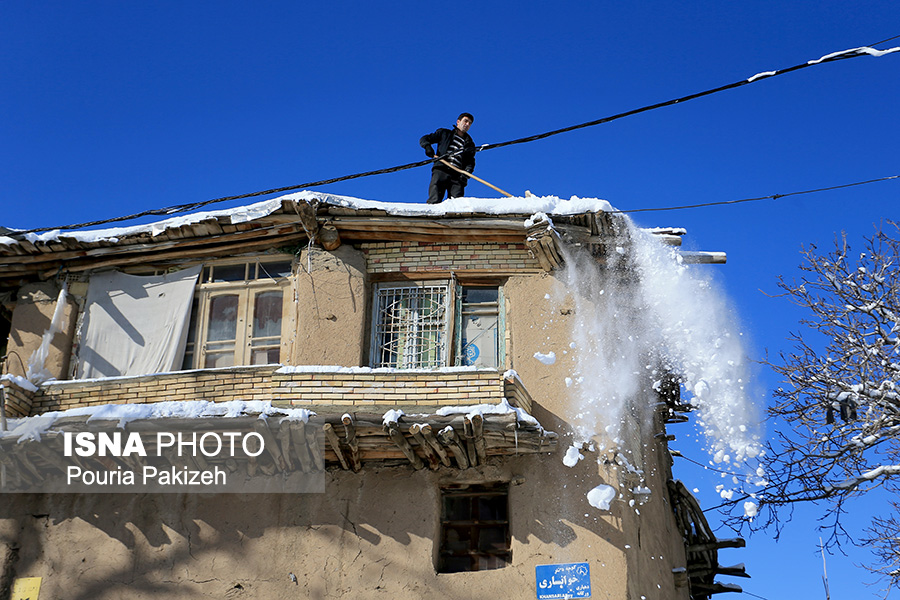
(443, 182)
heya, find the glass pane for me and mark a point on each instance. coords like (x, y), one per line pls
(188, 360)
(456, 564)
(477, 295)
(479, 341)
(224, 358)
(265, 356)
(267, 314)
(457, 508)
(273, 270)
(492, 508)
(492, 562)
(229, 273)
(457, 539)
(222, 323)
(491, 538)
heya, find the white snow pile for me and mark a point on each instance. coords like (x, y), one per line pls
(629, 332)
(573, 455)
(392, 416)
(19, 381)
(31, 428)
(601, 496)
(501, 408)
(547, 359)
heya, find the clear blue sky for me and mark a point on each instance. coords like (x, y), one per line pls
(110, 108)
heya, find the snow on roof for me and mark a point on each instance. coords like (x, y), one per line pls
(551, 205)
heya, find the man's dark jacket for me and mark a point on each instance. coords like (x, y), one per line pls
(442, 137)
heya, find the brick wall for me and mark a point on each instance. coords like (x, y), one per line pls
(362, 388)
(389, 257)
(19, 401)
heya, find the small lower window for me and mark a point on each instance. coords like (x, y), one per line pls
(474, 528)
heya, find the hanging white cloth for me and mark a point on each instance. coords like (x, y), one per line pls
(135, 325)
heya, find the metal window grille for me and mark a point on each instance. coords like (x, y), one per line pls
(411, 326)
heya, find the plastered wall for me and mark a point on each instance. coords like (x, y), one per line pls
(35, 304)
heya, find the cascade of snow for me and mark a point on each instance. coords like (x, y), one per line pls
(643, 315)
(37, 372)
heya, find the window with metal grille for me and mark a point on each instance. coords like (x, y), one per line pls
(410, 326)
(475, 533)
(414, 326)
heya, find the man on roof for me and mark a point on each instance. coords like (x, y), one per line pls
(459, 149)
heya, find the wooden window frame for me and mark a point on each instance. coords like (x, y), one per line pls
(453, 559)
(256, 281)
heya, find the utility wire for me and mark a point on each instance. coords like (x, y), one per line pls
(852, 53)
(772, 197)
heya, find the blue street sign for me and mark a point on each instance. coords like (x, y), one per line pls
(569, 580)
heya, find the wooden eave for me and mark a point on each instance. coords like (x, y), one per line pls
(27, 260)
(294, 223)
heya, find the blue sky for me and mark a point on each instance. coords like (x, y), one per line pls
(111, 108)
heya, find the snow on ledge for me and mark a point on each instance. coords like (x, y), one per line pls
(288, 369)
(502, 408)
(19, 381)
(31, 428)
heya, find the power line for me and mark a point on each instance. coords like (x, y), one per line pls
(836, 56)
(772, 197)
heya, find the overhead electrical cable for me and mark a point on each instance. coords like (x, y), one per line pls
(772, 197)
(181, 208)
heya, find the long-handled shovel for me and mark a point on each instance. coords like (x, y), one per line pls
(467, 174)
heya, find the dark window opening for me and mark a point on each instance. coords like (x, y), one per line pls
(475, 532)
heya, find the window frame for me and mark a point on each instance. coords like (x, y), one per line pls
(453, 321)
(256, 281)
(474, 526)
(378, 327)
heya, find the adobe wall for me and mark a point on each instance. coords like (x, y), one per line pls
(647, 533)
(35, 304)
(372, 535)
(331, 304)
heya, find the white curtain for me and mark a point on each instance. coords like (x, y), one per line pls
(135, 325)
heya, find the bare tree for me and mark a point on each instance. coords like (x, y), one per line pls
(840, 394)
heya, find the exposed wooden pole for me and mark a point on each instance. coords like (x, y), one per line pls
(427, 450)
(393, 430)
(332, 438)
(284, 443)
(449, 438)
(478, 431)
(352, 442)
(298, 435)
(428, 434)
(467, 174)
